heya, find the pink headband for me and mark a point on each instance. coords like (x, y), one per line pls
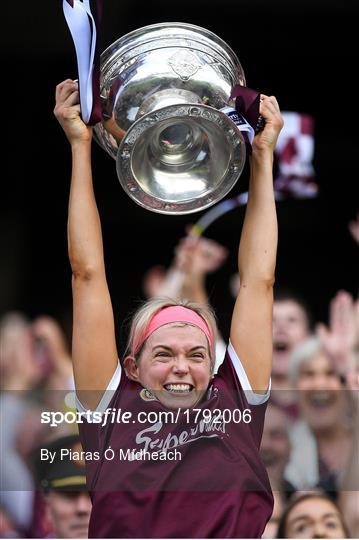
(173, 314)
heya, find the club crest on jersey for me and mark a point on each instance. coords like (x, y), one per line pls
(212, 392)
(146, 395)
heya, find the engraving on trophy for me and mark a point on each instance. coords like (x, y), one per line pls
(125, 154)
(234, 167)
(132, 137)
(210, 115)
(185, 64)
(182, 111)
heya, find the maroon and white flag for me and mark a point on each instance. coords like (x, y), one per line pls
(294, 152)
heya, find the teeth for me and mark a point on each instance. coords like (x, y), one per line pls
(322, 398)
(178, 387)
(281, 346)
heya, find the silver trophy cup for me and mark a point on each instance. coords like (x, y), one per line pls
(165, 90)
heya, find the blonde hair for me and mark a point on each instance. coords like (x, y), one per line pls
(145, 313)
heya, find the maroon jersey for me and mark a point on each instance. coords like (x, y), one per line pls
(197, 475)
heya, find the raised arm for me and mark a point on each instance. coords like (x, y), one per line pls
(94, 351)
(194, 259)
(251, 328)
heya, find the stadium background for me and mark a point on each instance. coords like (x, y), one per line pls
(303, 52)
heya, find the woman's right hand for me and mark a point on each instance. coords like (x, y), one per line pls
(67, 112)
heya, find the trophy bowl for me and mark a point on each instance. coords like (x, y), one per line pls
(165, 90)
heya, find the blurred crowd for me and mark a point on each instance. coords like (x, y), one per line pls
(310, 439)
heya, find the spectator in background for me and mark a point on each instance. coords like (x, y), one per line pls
(43, 344)
(322, 439)
(292, 323)
(313, 515)
(323, 368)
(36, 373)
(19, 373)
(52, 350)
(291, 326)
(64, 511)
(341, 337)
(195, 257)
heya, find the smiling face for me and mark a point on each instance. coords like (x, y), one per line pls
(290, 327)
(321, 396)
(314, 518)
(174, 364)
